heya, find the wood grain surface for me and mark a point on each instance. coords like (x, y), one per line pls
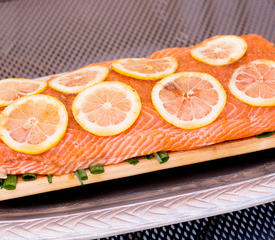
(217, 151)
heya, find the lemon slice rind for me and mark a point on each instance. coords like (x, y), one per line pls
(111, 130)
(240, 47)
(119, 67)
(51, 140)
(102, 73)
(193, 124)
(257, 102)
(41, 88)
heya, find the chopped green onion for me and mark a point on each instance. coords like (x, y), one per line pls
(1, 183)
(10, 182)
(78, 177)
(149, 156)
(50, 179)
(265, 134)
(133, 161)
(162, 157)
(82, 174)
(28, 177)
(96, 169)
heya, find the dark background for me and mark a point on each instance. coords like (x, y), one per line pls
(39, 38)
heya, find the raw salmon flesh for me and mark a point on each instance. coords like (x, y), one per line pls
(150, 133)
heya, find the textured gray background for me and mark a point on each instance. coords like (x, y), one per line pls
(52, 36)
(39, 38)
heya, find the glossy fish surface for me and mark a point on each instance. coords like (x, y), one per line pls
(150, 133)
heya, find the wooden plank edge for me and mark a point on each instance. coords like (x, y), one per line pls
(124, 169)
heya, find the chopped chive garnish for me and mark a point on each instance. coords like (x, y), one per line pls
(28, 177)
(1, 183)
(133, 161)
(50, 179)
(96, 169)
(149, 156)
(79, 178)
(162, 157)
(10, 182)
(83, 175)
(265, 134)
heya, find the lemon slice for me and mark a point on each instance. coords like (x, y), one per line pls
(254, 83)
(107, 108)
(189, 100)
(14, 88)
(220, 50)
(144, 68)
(77, 81)
(33, 124)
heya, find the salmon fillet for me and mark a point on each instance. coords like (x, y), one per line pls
(150, 133)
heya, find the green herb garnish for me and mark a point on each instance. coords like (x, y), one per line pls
(162, 157)
(133, 161)
(28, 177)
(265, 134)
(78, 177)
(82, 174)
(10, 182)
(50, 179)
(149, 156)
(1, 183)
(96, 169)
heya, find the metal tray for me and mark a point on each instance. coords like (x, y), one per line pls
(143, 201)
(46, 37)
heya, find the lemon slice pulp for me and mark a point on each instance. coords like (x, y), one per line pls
(189, 100)
(220, 50)
(145, 68)
(33, 124)
(107, 108)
